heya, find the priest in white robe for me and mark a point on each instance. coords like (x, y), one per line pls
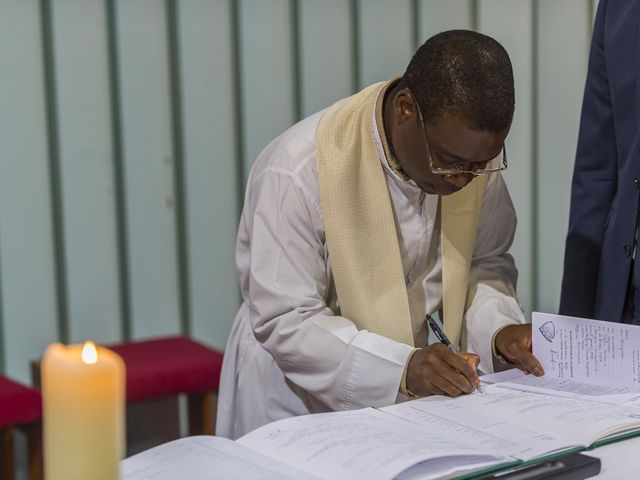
(361, 219)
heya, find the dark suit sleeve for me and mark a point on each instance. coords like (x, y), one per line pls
(594, 183)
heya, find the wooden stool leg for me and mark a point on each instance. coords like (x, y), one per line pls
(201, 410)
(35, 463)
(36, 374)
(6, 454)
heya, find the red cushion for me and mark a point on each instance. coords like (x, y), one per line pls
(168, 366)
(18, 403)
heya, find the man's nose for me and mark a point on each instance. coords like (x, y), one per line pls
(459, 180)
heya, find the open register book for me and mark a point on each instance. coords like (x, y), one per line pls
(430, 438)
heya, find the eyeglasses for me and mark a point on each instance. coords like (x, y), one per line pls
(444, 168)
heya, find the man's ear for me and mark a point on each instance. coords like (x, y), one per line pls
(405, 106)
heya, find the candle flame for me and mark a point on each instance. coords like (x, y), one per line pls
(89, 353)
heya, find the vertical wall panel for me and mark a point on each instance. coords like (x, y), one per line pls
(85, 157)
(516, 36)
(2, 316)
(268, 90)
(277, 78)
(148, 173)
(210, 158)
(562, 64)
(325, 57)
(439, 15)
(386, 39)
(28, 291)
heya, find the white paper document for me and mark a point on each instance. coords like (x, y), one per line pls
(206, 458)
(582, 359)
(369, 444)
(521, 424)
(590, 351)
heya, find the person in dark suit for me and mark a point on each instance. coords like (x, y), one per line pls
(601, 278)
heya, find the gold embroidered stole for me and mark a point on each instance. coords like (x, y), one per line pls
(360, 227)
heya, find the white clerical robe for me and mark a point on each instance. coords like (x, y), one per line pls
(289, 351)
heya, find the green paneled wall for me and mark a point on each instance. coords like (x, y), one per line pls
(128, 128)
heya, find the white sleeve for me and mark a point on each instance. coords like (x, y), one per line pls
(492, 302)
(286, 289)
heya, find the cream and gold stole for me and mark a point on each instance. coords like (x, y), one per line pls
(360, 227)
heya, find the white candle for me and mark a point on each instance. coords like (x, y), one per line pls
(83, 392)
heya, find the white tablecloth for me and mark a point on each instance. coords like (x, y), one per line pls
(620, 460)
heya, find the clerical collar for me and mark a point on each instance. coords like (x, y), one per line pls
(390, 157)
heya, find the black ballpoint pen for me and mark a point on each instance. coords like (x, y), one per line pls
(442, 338)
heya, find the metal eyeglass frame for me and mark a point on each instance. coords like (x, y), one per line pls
(458, 169)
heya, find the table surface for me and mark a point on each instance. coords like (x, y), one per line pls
(620, 460)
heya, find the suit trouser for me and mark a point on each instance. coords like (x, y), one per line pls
(631, 311)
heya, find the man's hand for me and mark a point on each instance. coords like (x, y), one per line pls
(514, 343)
(438, 370)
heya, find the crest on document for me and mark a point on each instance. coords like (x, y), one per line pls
(548, 330)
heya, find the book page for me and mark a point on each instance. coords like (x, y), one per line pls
(588, 352)
(517, 380)
(478, 418)
(521, 424)
(367, 444)
(206, 458)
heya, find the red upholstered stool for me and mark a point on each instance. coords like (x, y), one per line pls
(20, 408)
(171, 366)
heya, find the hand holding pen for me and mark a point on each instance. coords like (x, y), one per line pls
(438, 370)
(442, 338)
